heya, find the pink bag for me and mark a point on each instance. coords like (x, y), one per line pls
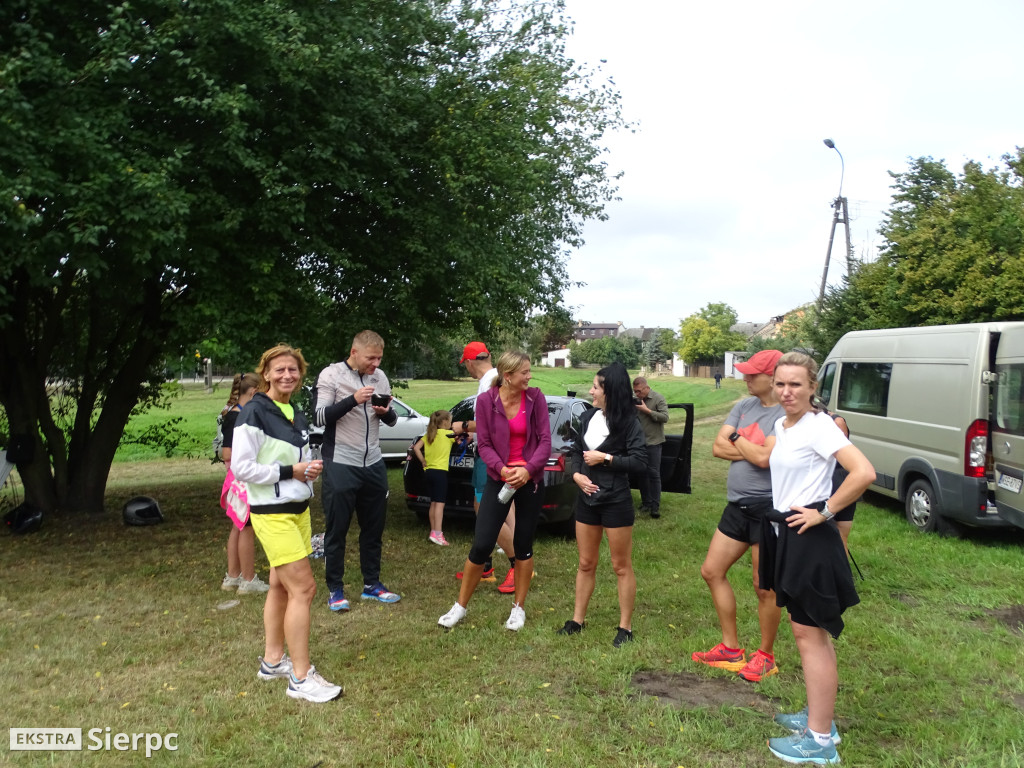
(235, 500)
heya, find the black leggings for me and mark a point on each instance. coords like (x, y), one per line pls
(492, 514)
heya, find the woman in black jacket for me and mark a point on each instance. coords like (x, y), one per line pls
(609, 446)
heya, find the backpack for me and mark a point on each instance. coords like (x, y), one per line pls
(218, 440)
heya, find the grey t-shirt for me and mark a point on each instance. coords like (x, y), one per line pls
(754, 422)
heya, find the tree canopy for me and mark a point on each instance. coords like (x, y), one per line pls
(953, 253)
(252, 172)
(661, 347)
(607, 350)
(705, 335)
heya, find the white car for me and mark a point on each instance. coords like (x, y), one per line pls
(394, 441)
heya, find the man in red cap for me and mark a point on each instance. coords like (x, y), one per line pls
(745, 440)
(477, 359)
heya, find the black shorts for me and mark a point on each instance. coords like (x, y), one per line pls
(844, 515)
(741, 519)
(616, 515)
(436, 483)
(798, 616)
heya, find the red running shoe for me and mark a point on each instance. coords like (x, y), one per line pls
(508, 586)
(722, 657)
(759, 667)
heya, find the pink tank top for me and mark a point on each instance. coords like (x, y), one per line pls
(517, 435)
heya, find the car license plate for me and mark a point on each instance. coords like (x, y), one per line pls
(1009, 482)
(464, 461)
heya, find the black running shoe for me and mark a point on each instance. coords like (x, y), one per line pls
(622, 636)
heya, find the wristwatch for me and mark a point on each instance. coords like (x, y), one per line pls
(607, 459)
(827, 513)
(734, 437)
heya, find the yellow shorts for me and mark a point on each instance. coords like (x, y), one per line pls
(284, 537)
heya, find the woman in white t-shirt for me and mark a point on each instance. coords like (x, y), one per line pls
(802, 554)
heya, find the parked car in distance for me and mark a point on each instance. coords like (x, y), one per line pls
(394, 441)
(559, 489)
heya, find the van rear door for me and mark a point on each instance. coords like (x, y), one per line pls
(1007, 426)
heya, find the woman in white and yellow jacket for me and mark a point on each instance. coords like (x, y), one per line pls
(271, 455)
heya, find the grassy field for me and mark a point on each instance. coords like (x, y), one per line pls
(106, 626)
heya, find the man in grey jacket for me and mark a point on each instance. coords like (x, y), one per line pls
(652, 410)
(352, 398)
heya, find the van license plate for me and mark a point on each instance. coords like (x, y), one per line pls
(1009, 482)
(466, 461)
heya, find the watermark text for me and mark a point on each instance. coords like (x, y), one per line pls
(96, 739)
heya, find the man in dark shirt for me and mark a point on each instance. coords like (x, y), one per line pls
(652, 411)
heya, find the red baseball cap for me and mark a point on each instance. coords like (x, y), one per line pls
(473, 351)
(762, 362)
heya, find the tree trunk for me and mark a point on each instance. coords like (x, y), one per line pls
(61, 475)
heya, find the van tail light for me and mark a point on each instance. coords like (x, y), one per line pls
(555, 464)
(975, 449)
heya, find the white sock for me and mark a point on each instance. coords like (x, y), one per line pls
(823, 739)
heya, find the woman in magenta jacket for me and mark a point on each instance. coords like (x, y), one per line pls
(513, 433)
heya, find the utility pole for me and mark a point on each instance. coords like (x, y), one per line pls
(842, 214)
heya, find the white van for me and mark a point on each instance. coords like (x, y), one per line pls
(939, 412)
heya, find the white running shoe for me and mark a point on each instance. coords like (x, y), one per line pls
(282, 669)
(313, 688)
(252, 587)
(516, 619)
(230, 583)
(453, 617)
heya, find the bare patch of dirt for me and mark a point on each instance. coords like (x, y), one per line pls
(1011, 616)
(1018, 699)
(688, 690)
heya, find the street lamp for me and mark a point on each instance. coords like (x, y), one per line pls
(839, 204)
(842, 167)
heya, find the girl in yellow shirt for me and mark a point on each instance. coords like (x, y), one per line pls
(433, 451)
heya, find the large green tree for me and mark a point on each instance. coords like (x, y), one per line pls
(953, 253)
(704, 336)
(253, 172)
(548, 331)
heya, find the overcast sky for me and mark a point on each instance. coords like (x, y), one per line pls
(728, 187)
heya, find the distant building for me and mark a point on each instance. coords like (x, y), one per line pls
(747, 329)
(588, 331)
(772, 328)
(775, 325)
(731, 358)
(642, 333)
(556, 358)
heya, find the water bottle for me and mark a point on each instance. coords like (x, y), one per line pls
(506, 493)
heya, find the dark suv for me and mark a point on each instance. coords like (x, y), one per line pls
(560, 490)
